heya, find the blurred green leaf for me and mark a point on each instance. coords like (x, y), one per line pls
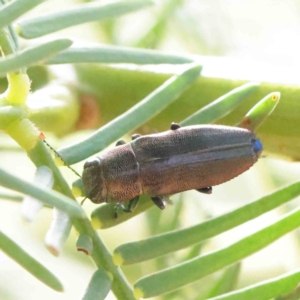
(119, 82)
(40, 26)
(227, 282)
(32, 56)
(222, 106)
(9, 114)
(175, 240)
(266, 289)
(134, 117)
(98, 287)
(29, 263)
(14, 9)
(293, 295)
(112, 54)
(103, 216)
(84, 244)
(192, 270)
(260, 112)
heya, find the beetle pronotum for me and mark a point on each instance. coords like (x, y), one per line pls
(183, 158)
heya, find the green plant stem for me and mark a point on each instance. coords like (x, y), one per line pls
(101, 256)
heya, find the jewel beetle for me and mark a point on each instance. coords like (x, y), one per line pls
(180, 159)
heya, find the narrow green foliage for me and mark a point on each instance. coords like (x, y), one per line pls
(124, 82)
(258, 114)
(293, 295)
(156, 33)
(222, 106)
(101, 256)
(47, 196)
(132, 118)
(14, 251)
(192, 270)
(14, 9)
(103, 216)
(227, 282)
(265, 290)
(112, 54)
(99, 286)
(84, 244)
(175, 240)
(7, 43)
(19, 122)
(32, 56)
(40, 26)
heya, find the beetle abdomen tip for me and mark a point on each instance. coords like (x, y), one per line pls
(257, 146)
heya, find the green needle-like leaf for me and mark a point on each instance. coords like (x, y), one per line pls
(85, 244)
(14, 251)
(14, 9)
(134, 117)
(47, 196)
(293, 295)
(222, 106)
(32, 56)
(9, 114)
(111, 54)
(103, 216)
(258, 113)
(99, 286)
(227, 282)
(40, 26)
(265, 290)
(192, 270)
(175, 240)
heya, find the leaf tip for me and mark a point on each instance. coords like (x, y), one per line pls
(275, 96)
(117, 259)
(53, 250)
(138, 293)
(96, 223)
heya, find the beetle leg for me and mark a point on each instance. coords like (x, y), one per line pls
(131, 206)
(206, 190)
(159, 202)
(174, 126)
(120, 142)
(135, 136)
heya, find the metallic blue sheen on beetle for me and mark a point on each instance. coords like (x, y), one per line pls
(180, 159)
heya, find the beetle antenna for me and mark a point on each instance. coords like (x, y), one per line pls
(58, 155)
(83, 200)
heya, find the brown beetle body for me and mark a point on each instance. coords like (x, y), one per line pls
(193, 157)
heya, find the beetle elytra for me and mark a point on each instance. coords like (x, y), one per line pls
(183, 158)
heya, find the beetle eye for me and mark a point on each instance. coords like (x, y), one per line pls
(93, 162)
(257, 146)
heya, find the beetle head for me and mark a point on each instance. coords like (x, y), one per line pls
(92, 181)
